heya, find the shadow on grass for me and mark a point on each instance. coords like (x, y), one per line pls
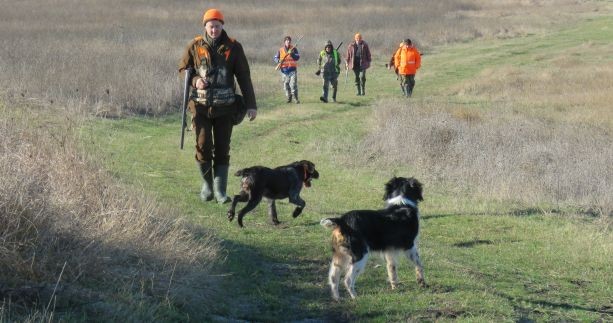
(524, 212)
(284, 287)
(607, 310)
(472, 243)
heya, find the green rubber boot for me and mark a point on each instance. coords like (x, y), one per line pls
(220, 182)
(206, 170)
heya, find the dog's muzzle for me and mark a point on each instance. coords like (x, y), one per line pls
(309, 177)
(307, 182)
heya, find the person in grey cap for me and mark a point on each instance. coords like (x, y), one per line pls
(328, 63)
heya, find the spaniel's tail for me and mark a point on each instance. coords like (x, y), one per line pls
(330, 223)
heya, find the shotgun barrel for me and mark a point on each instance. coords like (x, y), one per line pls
(186, 89)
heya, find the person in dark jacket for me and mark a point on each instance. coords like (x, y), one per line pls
(358, 59)
(328, 63)
(217, 60)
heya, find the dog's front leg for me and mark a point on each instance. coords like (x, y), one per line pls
(241, 197)
(296, 200)
(254, 200)
(272, 211)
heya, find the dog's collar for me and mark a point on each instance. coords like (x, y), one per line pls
(401, 200)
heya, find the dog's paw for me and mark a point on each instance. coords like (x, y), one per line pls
(230, 215)
(422, 283)
(276, 222)
(296, 212)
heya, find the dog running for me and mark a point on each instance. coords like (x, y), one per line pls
(390, 231)
(273, 184)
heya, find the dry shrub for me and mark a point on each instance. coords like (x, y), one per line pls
(505, 156)
(118, 57)
(62, 217)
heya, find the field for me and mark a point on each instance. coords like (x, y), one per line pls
(509, 129)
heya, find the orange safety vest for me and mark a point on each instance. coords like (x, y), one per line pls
(202, 51)
(407, 60)
(289, 61)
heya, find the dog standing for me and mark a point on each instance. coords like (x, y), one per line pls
(390, 230)
(273, 184)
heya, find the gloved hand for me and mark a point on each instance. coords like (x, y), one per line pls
(318, 72)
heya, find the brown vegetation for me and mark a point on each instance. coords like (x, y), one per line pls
(64, 220)
(120, 57)
(540, 138)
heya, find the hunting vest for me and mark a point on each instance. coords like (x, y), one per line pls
(286, 59)
(212, 67)
(336, 61)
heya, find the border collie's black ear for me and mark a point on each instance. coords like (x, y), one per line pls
(390, 186)
(414, 189)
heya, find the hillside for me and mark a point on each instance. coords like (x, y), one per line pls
(509, 130)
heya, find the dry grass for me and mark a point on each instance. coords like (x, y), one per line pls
(565, 92)
(120, 57)
(64, 219)
(542, 138)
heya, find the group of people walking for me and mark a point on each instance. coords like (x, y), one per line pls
(405, 61)
(219, 60)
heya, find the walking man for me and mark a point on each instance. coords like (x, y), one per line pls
(328, 63)
(217, 60)
(287, 57)
(407, 61)
(358, 59)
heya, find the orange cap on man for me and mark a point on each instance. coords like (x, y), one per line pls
(212, 14)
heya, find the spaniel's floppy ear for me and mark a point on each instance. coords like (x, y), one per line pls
(309, 165)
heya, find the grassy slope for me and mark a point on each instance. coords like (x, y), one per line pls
(479, 267)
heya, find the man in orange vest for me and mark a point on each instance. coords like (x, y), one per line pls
(288, 57)
(407, 61)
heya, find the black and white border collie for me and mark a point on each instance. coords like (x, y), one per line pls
(390, 231)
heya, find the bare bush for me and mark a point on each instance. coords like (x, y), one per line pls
(120, 57)
(64, 219)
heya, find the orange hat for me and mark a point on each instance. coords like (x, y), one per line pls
(212, 14)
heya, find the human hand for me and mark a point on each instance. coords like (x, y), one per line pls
(201, 84)
(252, 113)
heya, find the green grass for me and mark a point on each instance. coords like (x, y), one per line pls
(479, 266)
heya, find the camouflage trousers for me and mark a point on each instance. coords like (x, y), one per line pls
(407, 83)
(290, 83)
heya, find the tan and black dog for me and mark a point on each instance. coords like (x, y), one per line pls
(391, 230)
(259, 182)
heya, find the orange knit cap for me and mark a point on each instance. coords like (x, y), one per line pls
(212, 14)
